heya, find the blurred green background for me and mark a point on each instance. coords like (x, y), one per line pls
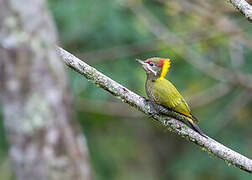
(200, 37)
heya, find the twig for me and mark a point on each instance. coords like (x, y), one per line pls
(110, 108)
(120, 51)
(137, 48)
(209, 95)
(244, 7)
(211, 69)
(172, 121)
(234, 106)
(222, 22)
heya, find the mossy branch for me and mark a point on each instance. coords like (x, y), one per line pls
(244, 7)
(172, 121)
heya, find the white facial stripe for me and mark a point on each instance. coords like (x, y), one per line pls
(150, 69)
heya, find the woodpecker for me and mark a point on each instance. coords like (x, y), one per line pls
(163, 92)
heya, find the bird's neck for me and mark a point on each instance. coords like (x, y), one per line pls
(152, 77)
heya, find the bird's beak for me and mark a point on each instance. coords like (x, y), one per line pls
(146, 66)
(140, 61)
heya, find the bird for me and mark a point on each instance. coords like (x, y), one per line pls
(162, 92)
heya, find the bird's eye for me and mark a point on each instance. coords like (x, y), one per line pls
(151, 63)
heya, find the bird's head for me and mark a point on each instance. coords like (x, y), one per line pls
(157, 67)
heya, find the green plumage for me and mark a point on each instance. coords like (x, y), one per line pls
(163, 92)
(167, 95)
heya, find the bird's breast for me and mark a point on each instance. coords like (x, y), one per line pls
(149, 84)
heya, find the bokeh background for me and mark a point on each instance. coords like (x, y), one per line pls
(210, 46)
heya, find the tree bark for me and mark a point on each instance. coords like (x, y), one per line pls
(244, 7)
(44, 142)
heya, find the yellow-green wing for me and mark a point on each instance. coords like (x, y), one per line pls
(167, 95)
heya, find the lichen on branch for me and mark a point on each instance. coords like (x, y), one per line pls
(244, 7)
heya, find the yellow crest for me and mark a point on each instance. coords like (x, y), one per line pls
(165, 68)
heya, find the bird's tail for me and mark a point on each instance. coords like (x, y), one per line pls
(195, 127)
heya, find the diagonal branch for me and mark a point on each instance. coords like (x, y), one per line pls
(244, 7)
(172, 121)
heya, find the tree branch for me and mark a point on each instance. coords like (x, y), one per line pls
(172, 121)
(244, 7)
